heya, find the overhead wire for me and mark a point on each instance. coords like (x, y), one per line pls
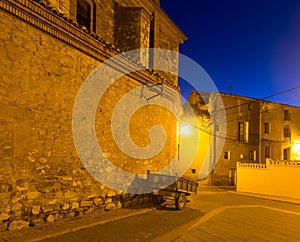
(259, 99)
(233, 137)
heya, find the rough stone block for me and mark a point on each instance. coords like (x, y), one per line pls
(47, 209)
(100, 209)
(43, 160)
(86, 204)
(79, 209)
(70, 215)
(66, 206)
(75, 205)
(35, 210)
(110, 206)
(141, 200)
(76, 184)
(111, 194)
(32, 195)
(18, 224)
(17, 207)
(127, 204)
(3, 227)
(98, 201)
(52, 201)
(66, 178)
(135, 201)
(119, 205)
(147, 199)
(59, 195)
(58, 216)
(70, 194)
(91, 210)
(4, 216)
(24, 187)
(36, 221)
(30, 159)
(50, 218)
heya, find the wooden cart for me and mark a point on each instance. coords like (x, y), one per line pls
(179, 189)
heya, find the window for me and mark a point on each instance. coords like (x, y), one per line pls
(286, 154)
(287, 132)
(266, 128)
(252, 155)
(243, 133)
(227, 155)
(83, 15)
(287, 115)
(267, 152)
(151, 44)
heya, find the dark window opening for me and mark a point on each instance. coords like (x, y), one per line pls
(287, 132)
(227, 155)
(243, 130)
(287, 115)
(267, 152)
(251, 155)
(84, 14)
(151, 44)
(286, 154)
(266, 128)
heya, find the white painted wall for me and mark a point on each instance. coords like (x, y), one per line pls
(274, 178)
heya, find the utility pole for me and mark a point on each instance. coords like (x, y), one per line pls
(259, 132)
(214, 158)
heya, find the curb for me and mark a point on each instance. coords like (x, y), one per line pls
(268, 197)
(46, 231)
(92, 224)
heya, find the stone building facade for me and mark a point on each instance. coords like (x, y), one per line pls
(47, 49)
(257, 130)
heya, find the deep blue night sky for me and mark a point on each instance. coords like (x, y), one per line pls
(253, 46)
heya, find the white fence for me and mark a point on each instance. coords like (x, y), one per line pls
(279, 178)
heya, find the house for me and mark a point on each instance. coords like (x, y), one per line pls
(256, 130)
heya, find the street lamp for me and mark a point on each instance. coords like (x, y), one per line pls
(186, 129)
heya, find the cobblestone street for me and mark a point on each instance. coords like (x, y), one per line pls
(212, 215)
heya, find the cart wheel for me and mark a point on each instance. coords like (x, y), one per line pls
(157, 199)
(180, 201)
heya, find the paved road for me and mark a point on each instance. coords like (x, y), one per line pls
(211, 216)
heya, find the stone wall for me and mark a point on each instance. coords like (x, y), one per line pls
(133, 32)
(41, 176)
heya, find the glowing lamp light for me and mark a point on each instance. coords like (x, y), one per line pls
(296, 147)
(186, 129)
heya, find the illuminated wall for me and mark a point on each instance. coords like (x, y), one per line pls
(44, 61)
(274, 178)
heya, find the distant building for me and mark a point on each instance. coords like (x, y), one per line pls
(257, 130)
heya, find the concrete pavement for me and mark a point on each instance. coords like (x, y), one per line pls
(214, 214)
(240, 223)
(240, 217)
